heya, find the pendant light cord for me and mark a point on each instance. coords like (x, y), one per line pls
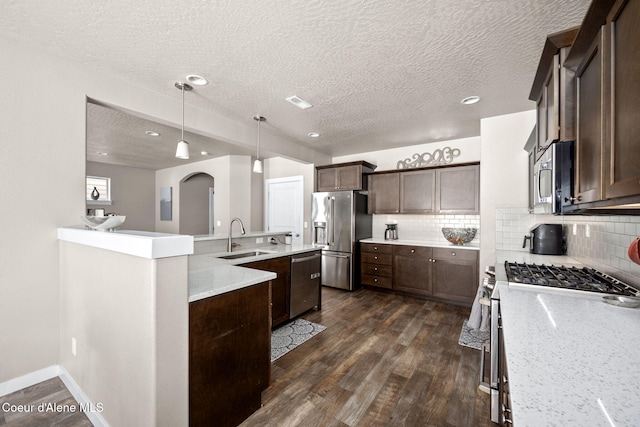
(182, 137)
(258, 147)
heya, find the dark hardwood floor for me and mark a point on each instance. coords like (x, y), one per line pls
(50, 392)
(384, 360)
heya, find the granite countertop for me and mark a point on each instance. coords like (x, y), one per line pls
(473, 245)
(210, 275)
(572, 359)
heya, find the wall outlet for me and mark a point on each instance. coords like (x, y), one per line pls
(306, 224)
(574, 229)
(259, 240)
(73, 346)
(218, 223)
(587, 231)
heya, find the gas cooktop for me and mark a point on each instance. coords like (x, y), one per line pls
(573, 278)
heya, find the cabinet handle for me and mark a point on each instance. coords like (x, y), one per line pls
(375, 268)
(375, 280)
(375, 257)
(430, 260)
(453, 253)
(413, 251)
(433, 260)
(375, 248)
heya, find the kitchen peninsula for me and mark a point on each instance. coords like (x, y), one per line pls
(123, 318)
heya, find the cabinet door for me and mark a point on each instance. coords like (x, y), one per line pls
(349, 177)
(622, 149)
(455, 275)
(589, 126)
(458, 190)
(417, 192)
(412, 270)
(326, 179)
(548, 111)
(280, 286)
(383, 193)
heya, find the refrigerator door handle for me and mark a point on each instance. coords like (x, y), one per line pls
(331, 238)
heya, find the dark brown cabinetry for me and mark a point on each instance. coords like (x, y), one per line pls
(554, 91)
(622, 98)
(450, 189)
(418, 192)
(343, 176)
(455, 274)
(412, 266)
(376, 267)
(280, 286)
(383, 193)
(458, 190)
(443, 274)
(229, 355)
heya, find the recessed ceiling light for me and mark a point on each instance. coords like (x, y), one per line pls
(299, 102)
(101, 153)
(470, 100)
(313, 134)
(197, 80)
(152, 133)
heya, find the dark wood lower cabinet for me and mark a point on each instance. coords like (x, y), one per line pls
(444, 274)
(280, 286)
(455, 274)
(412, 269)
(229, 355)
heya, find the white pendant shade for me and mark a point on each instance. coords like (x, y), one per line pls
(257, 166)
(182, 152)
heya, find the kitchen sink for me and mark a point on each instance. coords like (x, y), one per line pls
(245, 254)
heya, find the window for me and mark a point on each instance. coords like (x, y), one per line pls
(103, 187)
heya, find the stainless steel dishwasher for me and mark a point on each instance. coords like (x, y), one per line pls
(305, 283)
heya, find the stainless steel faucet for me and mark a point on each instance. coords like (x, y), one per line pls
(229, 244)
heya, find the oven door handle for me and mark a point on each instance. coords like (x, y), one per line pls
(483, 386)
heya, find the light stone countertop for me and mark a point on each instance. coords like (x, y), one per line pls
(210, 275)
(473, 245)
(572, 359)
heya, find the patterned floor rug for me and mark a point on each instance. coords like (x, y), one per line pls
(289, 336)
(472, 337)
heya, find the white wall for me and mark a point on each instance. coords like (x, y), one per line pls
(388, 159)
(279, 167)
(42, 179)
(504, 169)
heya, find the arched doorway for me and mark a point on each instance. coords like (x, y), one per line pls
(196, 204)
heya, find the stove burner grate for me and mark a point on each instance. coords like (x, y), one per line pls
(582, 279)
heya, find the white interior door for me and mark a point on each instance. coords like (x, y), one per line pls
(285, 206)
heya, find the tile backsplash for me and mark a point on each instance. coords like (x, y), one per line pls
(600, 242)
(424, 227)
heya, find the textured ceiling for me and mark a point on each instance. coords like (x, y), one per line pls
(379, 73)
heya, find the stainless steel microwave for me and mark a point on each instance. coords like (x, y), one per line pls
(552, 179)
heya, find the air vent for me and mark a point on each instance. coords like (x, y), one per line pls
(299, 102)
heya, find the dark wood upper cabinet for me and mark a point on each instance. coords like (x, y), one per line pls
(418, 192)
(343, 176)
(590, 125)
(622, 98)
(458, 190)
(383, 193)
(448, 189)
(554, 91)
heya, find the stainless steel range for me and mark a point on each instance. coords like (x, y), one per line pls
(561, 278)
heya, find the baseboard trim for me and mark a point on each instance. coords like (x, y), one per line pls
(29, 379)
(45, 374)
(94, 413)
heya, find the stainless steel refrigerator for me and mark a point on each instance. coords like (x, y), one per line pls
(339, 221)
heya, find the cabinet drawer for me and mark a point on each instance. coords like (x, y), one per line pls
(372, 258)
(417, 251)
(380, 281)
(374, 247)
(461, 254)
(376, 270)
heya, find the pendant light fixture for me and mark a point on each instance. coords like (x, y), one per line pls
(182, 151)
(257, 164)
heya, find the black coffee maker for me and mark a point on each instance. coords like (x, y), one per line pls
(546, 239)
